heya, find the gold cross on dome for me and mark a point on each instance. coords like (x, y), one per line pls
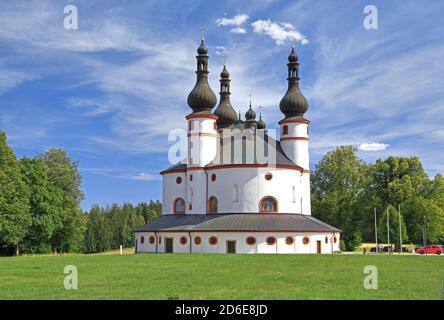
(202, 29)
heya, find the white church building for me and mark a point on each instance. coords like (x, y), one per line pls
(239, 190)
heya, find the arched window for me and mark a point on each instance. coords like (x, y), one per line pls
(142, 239)
(179, 206)
(235, 193)
(326, 239)
(285, 130)
(268, 204)
(212, 204)
(293, 193)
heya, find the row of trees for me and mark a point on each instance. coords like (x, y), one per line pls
(345, 191)
(40, 207)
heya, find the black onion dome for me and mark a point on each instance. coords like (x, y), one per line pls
(261, 124)
(202, 49)
(250, 114)
(293, 57)
(225, 74)
(225, 111)
(202, 98)
(293, 103)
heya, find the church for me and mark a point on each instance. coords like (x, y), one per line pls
(240, 189)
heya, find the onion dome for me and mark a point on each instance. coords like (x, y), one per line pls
(261, 123)
(250, 115)
(225, 111)
(293, 104)
(225, 74)
(202, 98)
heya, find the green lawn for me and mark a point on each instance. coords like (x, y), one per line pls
(176, 276)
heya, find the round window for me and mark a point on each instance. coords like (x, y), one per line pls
(152, 239)
(289, 240)
(271, 241)
(268, 176)
(251, 241)
(142, 239)
(306, 240)
(197, 240)
(212, 241)
(183, 240)
(213, 177)
(179, 180)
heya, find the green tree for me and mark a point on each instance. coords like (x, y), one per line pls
(45, 205)
(63, 174)
(393, 226)
(14, 198)
(338, 192)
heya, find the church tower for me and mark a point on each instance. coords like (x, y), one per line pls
(225, 111)
(294, 127)
(202, 134)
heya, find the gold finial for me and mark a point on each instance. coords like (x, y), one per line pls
(202, 29)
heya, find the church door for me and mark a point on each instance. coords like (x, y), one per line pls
(169, 245)
(231, 246)
(318, 246)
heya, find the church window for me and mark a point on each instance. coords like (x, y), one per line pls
(268, 176)
(271, 241)
(197, 240)
(293, 193)
(326, 239)
(335, 240)
(160, 240)
(306, 240)
(212, 241)
(289, 240)
(268, 204)
(179, 206)
(251, 241)
(142, 239)
(191, 177)
(179, 180)
(235, 193)
(183, 240)
(285, 130)
(213, 177)
(152, 240)
(212, 205)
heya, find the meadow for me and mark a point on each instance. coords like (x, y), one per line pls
(183, 276)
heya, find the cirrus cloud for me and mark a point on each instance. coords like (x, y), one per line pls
(237, 20)
(374, 146)
(280, 32)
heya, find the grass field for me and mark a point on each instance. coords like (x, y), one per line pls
(177, 276)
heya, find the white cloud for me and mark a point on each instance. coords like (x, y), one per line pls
(237, 20)
(280, 32)
(374, 146)
(238, 30)
(146, 176)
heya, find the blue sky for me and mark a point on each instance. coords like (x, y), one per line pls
(110, 91)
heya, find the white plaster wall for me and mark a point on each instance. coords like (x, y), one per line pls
(196, 192)
(202, 145)
(252, 187)
(172, 190)
(296, 150)
(281, 247)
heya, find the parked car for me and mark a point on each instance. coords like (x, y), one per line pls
(430, 249)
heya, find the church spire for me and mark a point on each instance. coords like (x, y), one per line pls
(293, 104)
(225, 111)
(202, 98)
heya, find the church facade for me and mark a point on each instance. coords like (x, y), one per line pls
(239, 190)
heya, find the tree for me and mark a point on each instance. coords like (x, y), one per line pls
(393, 224)
(338, 192)
(63, 174)
(45, 205)
(14, 198)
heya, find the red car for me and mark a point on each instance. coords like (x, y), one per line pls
(430, 249)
